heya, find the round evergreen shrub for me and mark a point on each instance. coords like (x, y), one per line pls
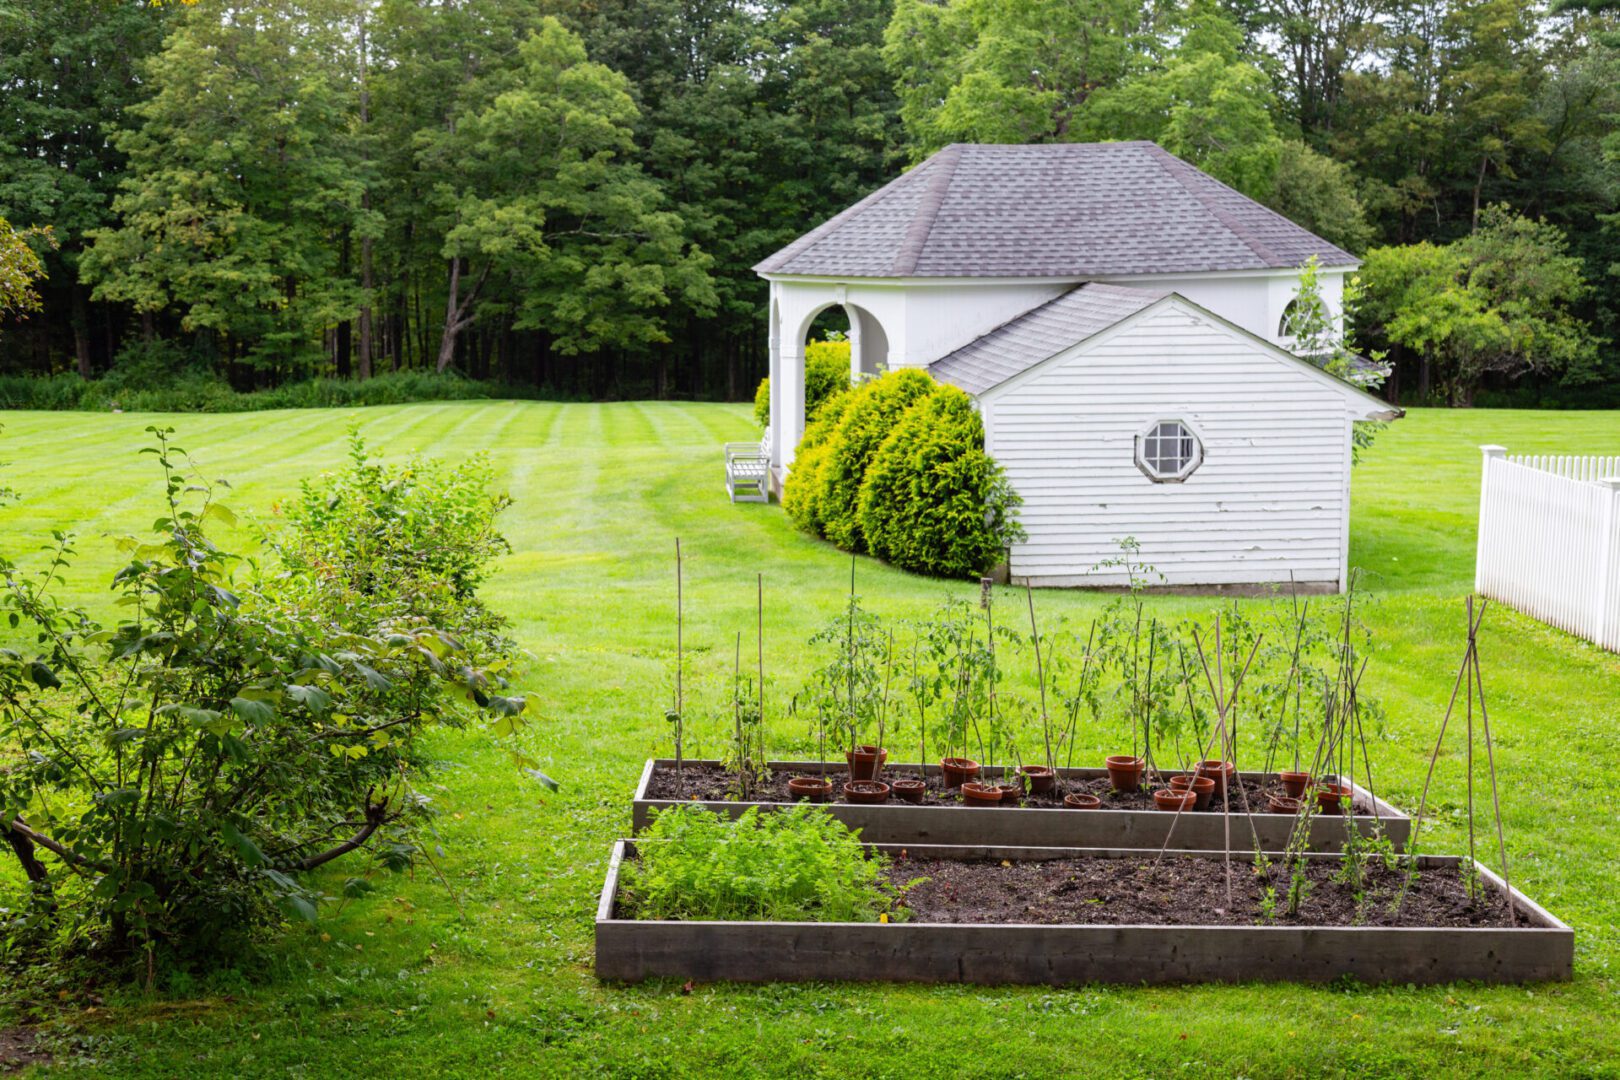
(934, 502)
(801, 495)
(874, 409)
(826, 371)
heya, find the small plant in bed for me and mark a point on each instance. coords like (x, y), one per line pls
(795, 866)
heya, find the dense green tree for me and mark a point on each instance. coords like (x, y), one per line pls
(70, 70)
(1005, 70)
(1496, 303)
(241, 174)
(539, 188)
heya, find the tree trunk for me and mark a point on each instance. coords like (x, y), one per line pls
(81, 331)
(366, 282)
(343, 349)
(452, 307)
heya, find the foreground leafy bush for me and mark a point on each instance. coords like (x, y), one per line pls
(183, 769)
(933, 501)
(873, 410)
(826, 372)
(797, 865)
(379, 542)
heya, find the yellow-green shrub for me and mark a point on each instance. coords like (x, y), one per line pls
(826, 371)
(873, 410)
(933, 501)
(801, 495)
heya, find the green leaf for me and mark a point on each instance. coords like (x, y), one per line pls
(252, 712)
(244, 847)
(43, 677)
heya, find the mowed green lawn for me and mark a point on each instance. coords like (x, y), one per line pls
(492, 974)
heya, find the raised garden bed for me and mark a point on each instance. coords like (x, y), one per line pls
(994, 914)
(1123, 821)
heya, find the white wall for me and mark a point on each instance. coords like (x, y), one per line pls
(912, 323)
(1253, 301)
(1272, 494)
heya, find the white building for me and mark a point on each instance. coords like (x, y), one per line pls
(1117, 314)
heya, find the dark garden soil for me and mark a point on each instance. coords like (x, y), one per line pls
(712, 783)
(19, 1048)
(1180, 891)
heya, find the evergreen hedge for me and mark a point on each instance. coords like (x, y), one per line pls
(933, 501)
(826, 372)
(897, 467)
(873, 411)
(801, 496)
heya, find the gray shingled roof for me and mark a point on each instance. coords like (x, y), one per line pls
(1051, 210)
(1039, 333)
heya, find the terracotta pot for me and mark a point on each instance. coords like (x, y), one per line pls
(1125, 772)
(865, 761)
(810, 788)
(1081, 802)
(958, 770)
(1165, 799)
(1330, 798)
(1010, 793)
(1283, 804)
(977, 794)
(866, 792)
(1219, 771)
(911, 791)
(1295, 783)
(1038, 777)
(1202, 786)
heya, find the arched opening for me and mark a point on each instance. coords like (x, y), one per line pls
(795, 392)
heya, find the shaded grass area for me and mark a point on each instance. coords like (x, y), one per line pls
(399, 983)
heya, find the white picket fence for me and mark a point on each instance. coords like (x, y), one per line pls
(1549, 540)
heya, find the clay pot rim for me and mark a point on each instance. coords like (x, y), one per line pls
(818, 782)
(981, 786)
(1187, 799)
(1126, 762)
(1037, 770)
(1215, 765)
(1084, 800)
(867, 787)
(1194, 782)
(1343, 791)
(960, 763)
(908, 783)
(1294, 774)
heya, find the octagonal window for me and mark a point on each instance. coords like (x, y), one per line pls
(1168, 452)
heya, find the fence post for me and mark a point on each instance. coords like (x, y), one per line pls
(1490, 454)
(1609, 568)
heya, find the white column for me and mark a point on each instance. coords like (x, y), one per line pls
(1606, 616)
(1489, 454)
(792, 399)
(775, 331)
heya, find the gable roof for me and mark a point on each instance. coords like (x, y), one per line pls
(1051, 210)
(1016, 346)
(1082, 313)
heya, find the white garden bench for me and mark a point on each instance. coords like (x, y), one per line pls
(748, 471)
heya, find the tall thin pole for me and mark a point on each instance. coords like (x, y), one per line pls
(680, 701)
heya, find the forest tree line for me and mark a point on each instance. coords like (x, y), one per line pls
(569, 195)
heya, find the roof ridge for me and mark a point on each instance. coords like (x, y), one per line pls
(1172, 166)
(922, 223)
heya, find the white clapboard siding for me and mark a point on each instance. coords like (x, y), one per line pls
(1549, 540)
(1269, 503)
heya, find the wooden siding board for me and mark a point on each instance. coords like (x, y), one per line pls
(1270, 499)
